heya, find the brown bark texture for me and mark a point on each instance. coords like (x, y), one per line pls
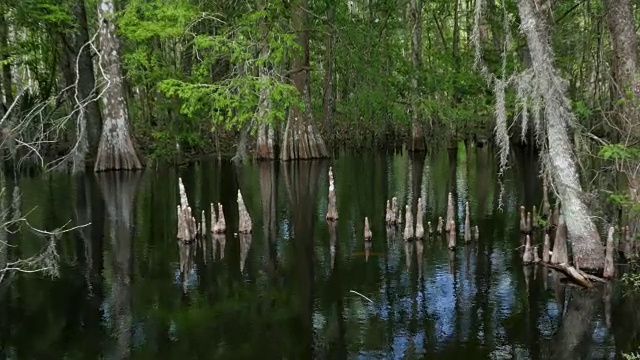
(116, 150)
(301, 138)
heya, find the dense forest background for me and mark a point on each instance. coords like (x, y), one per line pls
(215, 76)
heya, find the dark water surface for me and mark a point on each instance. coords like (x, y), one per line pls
(128, 289)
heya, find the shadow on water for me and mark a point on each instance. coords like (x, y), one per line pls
(298, 287)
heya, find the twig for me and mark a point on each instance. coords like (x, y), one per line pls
(357, 293)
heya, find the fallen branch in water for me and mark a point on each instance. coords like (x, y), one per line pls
(578, 276)
(357, 293)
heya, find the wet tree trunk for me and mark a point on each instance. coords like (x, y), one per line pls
(301, 139)
(266, 134)
(588, 251)
(417, 133)
(116, 150)
(327, 98)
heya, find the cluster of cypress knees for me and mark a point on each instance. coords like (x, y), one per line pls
(530, 222)
(394, 218)
(189, 229)
(554, 228)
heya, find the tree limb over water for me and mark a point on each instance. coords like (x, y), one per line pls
(544, 88)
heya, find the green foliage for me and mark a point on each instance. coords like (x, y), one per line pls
(619, 152)
(632, 278)
(631, 356)
(206, 67)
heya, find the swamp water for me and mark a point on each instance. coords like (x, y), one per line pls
(297, 288)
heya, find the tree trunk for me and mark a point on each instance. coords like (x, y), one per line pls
(85, 77)
(625, 49)
(417, 133)
(266, 134)
(588, 251)
(116, 150)
(6, 66)
(77, 69)
(301, 139)
(625, 73)
(456, 36)
(327, 98)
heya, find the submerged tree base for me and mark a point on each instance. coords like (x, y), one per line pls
(116, 152)
(302, 141)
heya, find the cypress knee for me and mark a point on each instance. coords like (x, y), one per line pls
(609, 269)
(244, 220)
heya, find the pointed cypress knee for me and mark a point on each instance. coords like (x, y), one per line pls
(395, 217)
(529, 222)
(609, 269)
(419, 226)
(476, 233)
(450, 213)
(367, 230)
(332, 210)
(467, 223)
(429, 228)
(244, 220)
(560, 255)
(523, 220)
(408, 226)
(214, 218)
(527, 256)
(452, 235)
(536, 257)
(534, 223)
(202, 227)
(187, 229)
(222, 223)
(546, 248)
(387, 213)
(440, 225)
(218, 224)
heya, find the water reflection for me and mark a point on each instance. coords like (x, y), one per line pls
(119, 191)
(285, 291)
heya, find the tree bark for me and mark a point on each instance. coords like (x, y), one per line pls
(588, 251)
(327, 97)
(6, 66)
(301, 139)
(627, 81)
(116, 150)
(417, 132)
(86, 80)
(266, 134)
(625, 65)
